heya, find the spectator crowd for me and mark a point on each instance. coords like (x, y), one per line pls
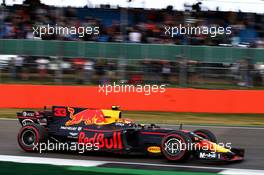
(132, 25)
(183, 72)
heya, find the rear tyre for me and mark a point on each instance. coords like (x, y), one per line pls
(176, 146)
(30, 136)
(206, 134)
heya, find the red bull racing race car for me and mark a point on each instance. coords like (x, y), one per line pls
(106, 131)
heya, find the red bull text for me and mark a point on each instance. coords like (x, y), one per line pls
(112, 142)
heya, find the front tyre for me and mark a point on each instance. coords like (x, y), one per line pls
(176, 146)
(30, 136)
(206, 134)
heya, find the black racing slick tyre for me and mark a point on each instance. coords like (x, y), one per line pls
(30, 136)
(176, 146)
(206, 134)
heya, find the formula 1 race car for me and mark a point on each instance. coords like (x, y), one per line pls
(107, 131)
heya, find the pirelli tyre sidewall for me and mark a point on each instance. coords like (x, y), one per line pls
(30, 136)
(180, 140)
(206, 134)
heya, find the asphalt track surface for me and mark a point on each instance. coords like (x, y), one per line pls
(251, 139)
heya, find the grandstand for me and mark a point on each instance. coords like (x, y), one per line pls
(132, 46)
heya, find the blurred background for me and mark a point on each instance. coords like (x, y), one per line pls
(132, 46)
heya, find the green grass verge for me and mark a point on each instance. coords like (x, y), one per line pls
(128, 171)
(177, 118)
(11, 168)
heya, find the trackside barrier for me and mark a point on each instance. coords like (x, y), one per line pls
(173, 99)
(127, 50)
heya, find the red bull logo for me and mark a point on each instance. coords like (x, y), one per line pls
(88, 116)
(112, 142)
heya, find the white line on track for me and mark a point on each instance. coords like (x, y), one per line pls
(89, 163)
(241, 172)
(51, 161)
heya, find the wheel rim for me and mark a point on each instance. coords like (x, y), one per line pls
(28, 138)
(173, 146)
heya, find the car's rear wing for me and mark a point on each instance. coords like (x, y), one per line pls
(39, 117)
